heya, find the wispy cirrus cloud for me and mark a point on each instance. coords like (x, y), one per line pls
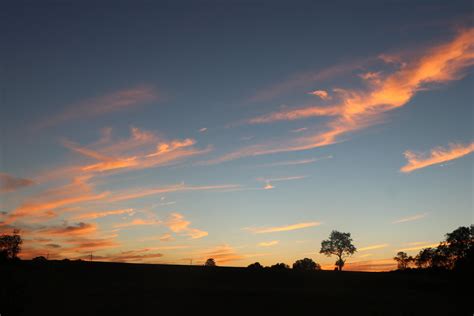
(358, 109)
(304, 79)
(138, 193)
(9, 183)
(268, 181)
(112, 102)
(274, 229)
(295, 162)
(436, 156)
(139, 222)
(418, 247)
(410, 218)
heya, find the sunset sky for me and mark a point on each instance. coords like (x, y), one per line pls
(171, 132)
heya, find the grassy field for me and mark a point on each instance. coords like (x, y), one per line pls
(85, 288)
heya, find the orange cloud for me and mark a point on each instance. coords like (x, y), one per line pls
(221, 254)
(264, 230)
(436, 156)
(115, 101)
(94, 215)
(359, 109)
(77, 229)
(138, 222)
(376, 265)
(115, 157)
(380, 246)
(9, 183)
(410, 218)
(268, 244)
(43, 205)
(418, 247)
(177, 224)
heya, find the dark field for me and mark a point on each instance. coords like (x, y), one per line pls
(84, 288)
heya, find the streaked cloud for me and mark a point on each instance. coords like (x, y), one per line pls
(221, 254)
(373, 247)
(410, 218)
(9, 183)
(419, 247)
(295, 162)
(436, 156)
(112, 102)
(138, 222)
(268, 243)
(202, 130)
(69, 230)
(299, 130)
(94, 215)
(375, 265)
(264, 230)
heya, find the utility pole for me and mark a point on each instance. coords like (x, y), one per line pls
(91, 256)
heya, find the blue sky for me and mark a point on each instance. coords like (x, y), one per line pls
(228, 119)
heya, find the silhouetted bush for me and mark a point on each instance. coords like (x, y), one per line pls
(280, 267)
(39, 259)
(306, 264)
(255, 266)
(210, 262)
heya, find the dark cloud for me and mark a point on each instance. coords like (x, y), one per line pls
(10, 183)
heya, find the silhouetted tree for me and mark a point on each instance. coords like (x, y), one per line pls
(424, 258)
(210, 262)
(461, 241)
(10, 246)
(306, 264)
(340, 245)
(403, 260)
(455, 252)
(255, 266)
(280, 267)
(442, 257)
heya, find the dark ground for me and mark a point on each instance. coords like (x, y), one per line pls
(85, 288)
